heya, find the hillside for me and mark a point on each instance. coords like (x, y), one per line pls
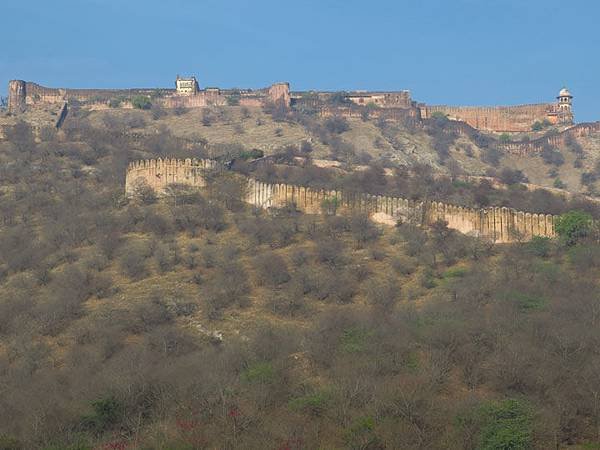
(195, 321)
(373, 141)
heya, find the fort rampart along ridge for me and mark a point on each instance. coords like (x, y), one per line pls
(187, 94)
(498, 224)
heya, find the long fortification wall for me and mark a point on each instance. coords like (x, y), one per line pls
(499, 224)
(23, 94)
(555, 140)
(533, 146)
(35, 94)
(500, 118)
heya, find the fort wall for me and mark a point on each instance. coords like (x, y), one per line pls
(390, 105)
(160, 173)
(555, 140)
(17, 96)
(35, 94)
(499, 118)
(498, 224)
(23, 94)
(391, 114)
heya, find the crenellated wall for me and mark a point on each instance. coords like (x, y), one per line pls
(518, 118)
(389, 113)
(533, 146)
(316, 201)
(37, 94)
(498, 224)
(160, 173)
(24, 93)
(555, 140)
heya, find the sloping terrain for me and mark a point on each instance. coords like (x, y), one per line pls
(367, 141)
(196, 322)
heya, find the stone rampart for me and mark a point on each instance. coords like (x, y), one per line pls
(498, 224)
(36, 94)
(555, 140)
(23, 93)
(518, 118)
(390, 113)
(160, 173)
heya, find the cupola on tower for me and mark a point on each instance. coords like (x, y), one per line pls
(565, 106)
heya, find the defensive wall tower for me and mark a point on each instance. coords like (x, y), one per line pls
(17, 95)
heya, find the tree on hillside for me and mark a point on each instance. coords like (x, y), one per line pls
(573, 226)
(141, 102)
(550, 155)
(506, 425)
(504, 138)
(512, 176)
(337, 125)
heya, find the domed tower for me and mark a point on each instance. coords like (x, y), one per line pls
(565, 106)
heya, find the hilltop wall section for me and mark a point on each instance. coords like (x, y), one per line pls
(498, 224)
(536, 145)
(24, 93)
(499, 118)
(392, 105)
(554, 140)
(389, 113)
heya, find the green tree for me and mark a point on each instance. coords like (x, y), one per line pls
(439, 116)
(330, 205)
(504, 138)
(141, 102)
(108, 412)
(507, 425)
(537, 126)
(573, 225)
(10, 443)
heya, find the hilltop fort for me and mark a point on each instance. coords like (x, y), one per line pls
(389, 104)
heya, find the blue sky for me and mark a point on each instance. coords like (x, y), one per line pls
(480, 52)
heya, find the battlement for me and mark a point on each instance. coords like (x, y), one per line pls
(555, 140)
(160, 173)
(172, 162)
(187, 94)
(518, 118)
(498, 224)
(23, 94)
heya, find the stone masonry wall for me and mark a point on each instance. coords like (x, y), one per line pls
(498, 224)
(160, 173)
(500, 118)
(23, 93)
(40, 94)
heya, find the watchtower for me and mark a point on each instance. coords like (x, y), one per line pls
(565, 106)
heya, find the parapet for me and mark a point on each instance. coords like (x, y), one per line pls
(497, 224)
(160, 173)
